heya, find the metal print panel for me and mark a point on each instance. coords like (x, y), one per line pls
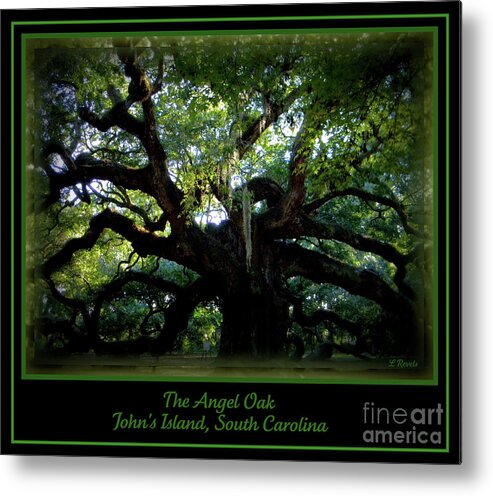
(232, 235)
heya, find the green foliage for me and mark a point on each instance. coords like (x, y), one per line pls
(351, 109)
(205, 323)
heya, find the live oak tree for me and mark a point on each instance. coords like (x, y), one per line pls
(272, 191)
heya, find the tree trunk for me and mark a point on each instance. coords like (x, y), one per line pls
(255, 323)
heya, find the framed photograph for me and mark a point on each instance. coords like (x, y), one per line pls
(230, 232)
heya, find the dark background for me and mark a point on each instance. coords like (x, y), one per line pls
(82, 411)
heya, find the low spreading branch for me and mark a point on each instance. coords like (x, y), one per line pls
(298, 261)
(365, 196)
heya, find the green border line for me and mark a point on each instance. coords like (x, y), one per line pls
(436, 203)
(233, 446)
(256, 380)
(225, 32)
(232, 19)
(23, 228)
(236, 380)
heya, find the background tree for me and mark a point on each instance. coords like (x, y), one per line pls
(274, 188)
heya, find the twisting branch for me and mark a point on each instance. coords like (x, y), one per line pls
(272, 112)
(298, 261)
(320, 316)
(158, 83)
(75, 303)
(285, 211)
(135, 179)
(144, 242)
(188, 251)
(365, 196)
(117, 116)
(161, 187)
(308, 227)
(125, 202)
(127, 262)
(329, 316)
(264, 188)
(246, 139)
(60, 150)
(112, 289)
(178, 313)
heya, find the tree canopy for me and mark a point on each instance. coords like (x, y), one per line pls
(271, 192)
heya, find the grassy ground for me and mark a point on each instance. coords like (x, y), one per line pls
(340, 366)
